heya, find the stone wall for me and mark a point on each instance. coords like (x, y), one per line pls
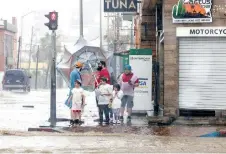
(171, 50)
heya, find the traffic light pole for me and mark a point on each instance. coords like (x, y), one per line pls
(53, 118)
(52, 25)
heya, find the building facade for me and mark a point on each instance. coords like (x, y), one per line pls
(194, 55)
(148, 30)
(190, 45)
(8, 44)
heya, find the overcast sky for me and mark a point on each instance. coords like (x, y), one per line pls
(68, 11)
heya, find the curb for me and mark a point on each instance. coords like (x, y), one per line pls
(48, 129)
(160, 120)
(28, 106)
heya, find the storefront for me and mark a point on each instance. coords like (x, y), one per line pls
(202, 67)
(194, 56)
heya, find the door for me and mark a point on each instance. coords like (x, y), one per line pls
(202, 73)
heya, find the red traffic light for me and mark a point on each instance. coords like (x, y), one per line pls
(53, 20)
(53, 16)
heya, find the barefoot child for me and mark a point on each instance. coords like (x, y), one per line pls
(117, 95)
(78, 102)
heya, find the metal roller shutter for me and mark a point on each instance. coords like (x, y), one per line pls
(202, 73)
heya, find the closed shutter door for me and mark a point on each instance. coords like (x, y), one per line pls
(202, 73)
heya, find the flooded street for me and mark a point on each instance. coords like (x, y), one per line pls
(137, 137)
(105, 143)
(14, 116)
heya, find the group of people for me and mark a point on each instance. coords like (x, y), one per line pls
(111, 98)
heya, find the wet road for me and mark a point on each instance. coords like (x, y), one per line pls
(137, 137)
(14, 116)
(109, 144)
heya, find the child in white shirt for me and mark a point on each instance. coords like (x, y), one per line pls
(117, 95)
(104, 92)
(78, 102)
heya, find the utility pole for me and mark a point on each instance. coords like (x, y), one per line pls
(132, 33)
(18, 53)
(101, 24)
(108, 32)
(81, 18)
(36, 72)
(117, 37)
(32, 33)
(53, 82)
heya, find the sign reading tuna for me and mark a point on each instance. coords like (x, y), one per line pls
(192, 11)
(120, 5)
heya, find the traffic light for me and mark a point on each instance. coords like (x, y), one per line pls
(53, 20)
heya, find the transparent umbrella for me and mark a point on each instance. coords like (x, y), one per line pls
(86, 52)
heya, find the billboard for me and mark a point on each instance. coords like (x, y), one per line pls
(141, 62)
(192, 11)
(120, 5)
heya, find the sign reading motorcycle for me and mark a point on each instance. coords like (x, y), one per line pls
(192, 11)
(120, 5)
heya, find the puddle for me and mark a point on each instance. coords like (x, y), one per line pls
(177, 131)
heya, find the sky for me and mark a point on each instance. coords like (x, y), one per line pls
(41, 7)
(68, 11)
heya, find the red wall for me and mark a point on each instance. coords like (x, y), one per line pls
(2, 59)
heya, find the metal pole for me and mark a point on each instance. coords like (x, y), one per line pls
(108, 34)
(36, 73)
(18, 54)
(81, 18)
(156, 104)
(100, 24)
(21, 33)
(131, 42)
(21, 28)
(117, 48)
(29, 64)
(53, 83)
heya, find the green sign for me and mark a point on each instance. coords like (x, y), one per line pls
(192, 11)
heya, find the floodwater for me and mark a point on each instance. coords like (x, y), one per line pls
(173, 131)
(109, 143)
(137, 137)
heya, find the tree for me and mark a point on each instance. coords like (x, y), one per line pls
(45, 53)
(45, 47)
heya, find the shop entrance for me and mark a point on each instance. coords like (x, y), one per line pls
(202, 73)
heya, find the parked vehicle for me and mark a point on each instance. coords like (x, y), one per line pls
(16, 79)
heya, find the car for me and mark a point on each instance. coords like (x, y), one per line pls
(16, 79)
